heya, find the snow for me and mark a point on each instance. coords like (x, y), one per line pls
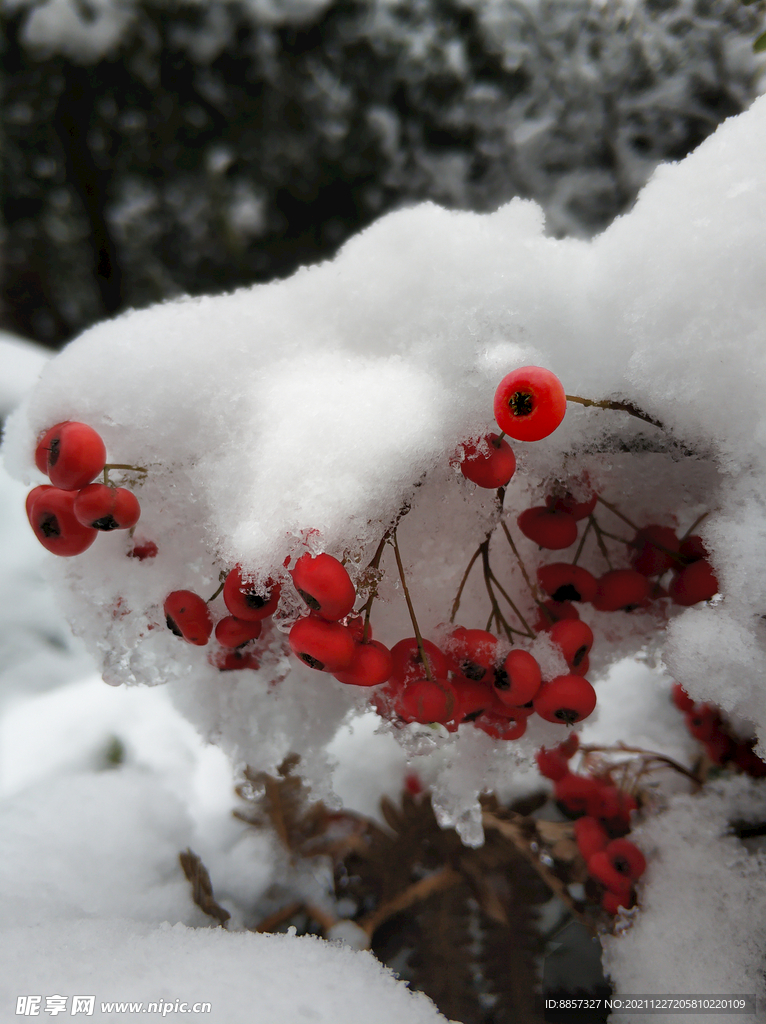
(305, 415)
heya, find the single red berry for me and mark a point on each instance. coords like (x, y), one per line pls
(582, 669)
(564, 582)
(553, 611)
(565, 699)
(500, 727)
(247, 599)
(590, 835)
(408, 665)
(188, 616)
(681, 698)
(234, 632)
(322, 645)
(370, 665)
(325, 586)
(489, 462)
(746, 759)
(548, 528)
(413, 784)
(626, 858)
(530, 403)
(692, 550)
(473, 697)
(570, 745)
(473, 652)
(518, 679)
(574, 638)
(720, 747)
(107, 508)
(693, 584)
(51, 515)
(702, 721)
(32, 497)
(74, 454)
(601, 868)
(655, 550)
(427, 700)
(144, 549)
(621, 590)
(227, 660)
(625, 804)
(579, 794)
(552, 763)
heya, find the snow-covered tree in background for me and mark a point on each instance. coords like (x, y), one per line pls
(312, 414)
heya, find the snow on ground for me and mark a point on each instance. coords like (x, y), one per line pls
(301, 416)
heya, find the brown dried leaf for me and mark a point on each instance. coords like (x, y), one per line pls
(202, 888)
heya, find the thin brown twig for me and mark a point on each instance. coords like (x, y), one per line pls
(629, 407)
(410, 607)
(600, 540)
(414, 893)
(580, 546)
(519, 559)
(616, 511)
(463, 581)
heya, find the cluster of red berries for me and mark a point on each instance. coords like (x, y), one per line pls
(705, 723)
(603, 820)
(67, 514)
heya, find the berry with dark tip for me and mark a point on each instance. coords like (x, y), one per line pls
(107, 508)
(71, 454)
(188, 616)
(548, 528)
(473, 652)
(518, 679)
(234, 632)
(322, 645)
(370, 665)
(565, 699)
(574, 638)
(565, 582)
(530, 403)
(621, 590)
(325, 586)
(51, 516)
(247, 599)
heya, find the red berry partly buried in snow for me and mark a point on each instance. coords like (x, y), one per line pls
(565, 699)
(655, 550)
(143, 550)
(188, 616)
(578, 793)
(500, 727)
(51, 515)
(107, 508)
(575, 640)
(621, 589)
(324, 585)
(371, 664)
(518, 679)
(322, 645)
(530, 403)
(566, 502)
(548, 528)
(71, 454)
(234, 632)
(626, 858)
(554, 611)
(695, 583)
(681, 698)
(247, 599)
(553, 764)
(228, 660)
(473, 652)
(565, 582)
(691, 550)
(427, 700)
(489, 462)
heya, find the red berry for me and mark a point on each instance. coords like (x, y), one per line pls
(426, 700)
(107, 508)
(322, 645)
(473, 697)
(574, 638)
(681, 698)
(564, 582)
(530, 403)
(565, 699)
(548, 528)
(582, 669)
(552, 763)
(247, 599)
(591, 836)
(413, 784)
(499, 727)
(720, 747)
(553, 611)
(601, 868)
(612, 901)
(408, 664)
(702, 721)
(693, 584)
(566, 502)
(578, 793)
(489, 462)
(626, 858)
(370, 665)
(188, 616)
(325, 586)
(51, 515)
(518, 679)
(473, 651)
(234, 632)
(692, 549)
(71, 454)
(233, 660)
(142, 550)
(654, 550)
(621, 589)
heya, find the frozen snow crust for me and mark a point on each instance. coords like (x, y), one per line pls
(304, 415)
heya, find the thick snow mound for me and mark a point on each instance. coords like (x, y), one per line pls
(307, 414)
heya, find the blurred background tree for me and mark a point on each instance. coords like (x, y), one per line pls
(158, 147)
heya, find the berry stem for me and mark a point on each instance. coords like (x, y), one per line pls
(519, 559)
(215, 595)
(410, 608)
(373, 566)
(649, 755)
(463, 581)
(600, 540)
(502, 590)
(694, 526)
(580, 546)
(616, 511)
(628, 407)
